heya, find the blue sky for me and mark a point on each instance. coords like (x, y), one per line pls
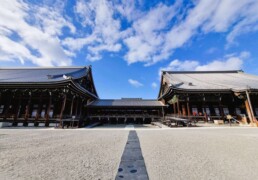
(128, 42)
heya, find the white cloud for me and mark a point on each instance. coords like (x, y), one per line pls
(146, 42)
(234, 18)
(232, 63)
(103, 31)
(155, 37)
(135, 83)
(229, 62)
(139, 34)
(183, 32)
(154, 85)
(34, 39)
(128, 9)
(212, 16)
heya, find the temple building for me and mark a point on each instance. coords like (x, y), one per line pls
(210, 95)
(45, 96)
(66, 96)
(126, 110)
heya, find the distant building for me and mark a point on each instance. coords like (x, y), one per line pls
(126, 110)
(210, 94)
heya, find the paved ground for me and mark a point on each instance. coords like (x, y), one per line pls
(201, 153)
(60, 154)
(180, 153)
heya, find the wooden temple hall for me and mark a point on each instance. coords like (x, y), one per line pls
(125, 110)
(210, 95)
(45, 96)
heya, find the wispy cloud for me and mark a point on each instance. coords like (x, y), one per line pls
(145, 45)
(31, 33)
(101, 30)
(229, 62)
(48, 35)
(205, 16)
(135, 83)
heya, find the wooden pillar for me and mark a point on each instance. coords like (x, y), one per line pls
(27, 111)
(188, 109)
(178, 108)
(39, 109)
(81, 109)
(204, 108)
(234, 106)
(222, 115)
(71, 110)
(77, 105)
(183, 110)
(62, 111)
(163, 114)
(221, 109)
(80, 114)
(48, 110)
(249, 109)
(174, 108)
(17, 110)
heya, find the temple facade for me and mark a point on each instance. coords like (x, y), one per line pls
(45, 96)
(209, 95)
(66, 96)
(126, 110)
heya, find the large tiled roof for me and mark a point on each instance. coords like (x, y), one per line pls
(126, 103)
(41, 75)
(211, 80)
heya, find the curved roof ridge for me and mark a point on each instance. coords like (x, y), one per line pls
(200, 72)
(45, 67)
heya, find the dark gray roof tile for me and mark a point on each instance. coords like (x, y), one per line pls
(211, 80)
(126, 103)
(40, 75)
